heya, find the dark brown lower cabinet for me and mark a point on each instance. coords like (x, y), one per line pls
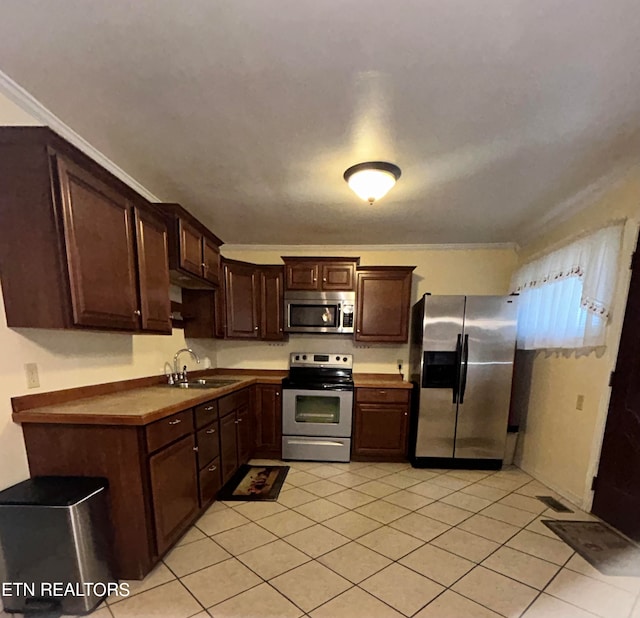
(246, 440)
(161, 475)
(174, 488)
(381, 421)
(228, 446)
(268, 416)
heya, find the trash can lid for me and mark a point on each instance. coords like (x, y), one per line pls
(51, 491)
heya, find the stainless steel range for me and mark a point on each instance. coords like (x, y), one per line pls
(317, 407)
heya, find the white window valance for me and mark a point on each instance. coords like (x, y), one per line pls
(566, 295)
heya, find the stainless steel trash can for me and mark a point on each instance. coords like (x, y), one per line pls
(55, 544)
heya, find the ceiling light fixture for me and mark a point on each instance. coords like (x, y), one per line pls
(372, 180)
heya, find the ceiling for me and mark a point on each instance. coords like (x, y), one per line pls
(248, 112)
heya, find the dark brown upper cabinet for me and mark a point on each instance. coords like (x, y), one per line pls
(194, 251)
(250, 304)
(383, 298)
(241, 294)
(320, 273)
(271, 303)
(78, 248)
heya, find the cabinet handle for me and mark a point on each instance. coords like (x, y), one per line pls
(357, 330)
(176, 422)
(277, 394)
(210, 431)
(213, 468)
(204, 265)
(382, 392)
(324, 279)
(195, 448)
(255, 328)
(405, 413)
(239, 421)
(137, 312)
(209, 408)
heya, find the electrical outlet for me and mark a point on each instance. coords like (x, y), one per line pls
(31, 371)
(580, 402)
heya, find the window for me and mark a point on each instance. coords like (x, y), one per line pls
(565, 296)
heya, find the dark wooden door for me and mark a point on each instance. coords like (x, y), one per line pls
(241, 300)
(381, 430)
(302, 276)
(383, 297)
(246, 439)
(98, 234)
(153, 269)
(190, 248)
(272, 303)
(268, 411)
(174, 487)
(210, 260)
(339, 276)
(228, 446)
(617, 494)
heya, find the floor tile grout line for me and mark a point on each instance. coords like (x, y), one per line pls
(382, 524)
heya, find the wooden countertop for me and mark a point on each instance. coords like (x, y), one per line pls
(146, 404)
(138, 406)
(380, 380)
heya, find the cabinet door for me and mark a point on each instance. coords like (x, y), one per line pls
(381, 430)
(383, 298)
(271, 304)
(174, 487)
(190, 248)
(268, 411)
(339, 276)
(241, 300)
(210, 261)
(153, 269)
(209, 482)
(246, 438)
(228, 446)
(98, 234)
(302, 276)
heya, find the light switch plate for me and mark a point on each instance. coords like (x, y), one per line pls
(31, 371)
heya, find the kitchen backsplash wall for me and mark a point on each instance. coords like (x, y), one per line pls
(262, 355)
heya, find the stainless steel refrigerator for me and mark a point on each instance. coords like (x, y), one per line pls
(461, 364)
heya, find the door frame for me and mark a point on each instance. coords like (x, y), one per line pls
(630, 244)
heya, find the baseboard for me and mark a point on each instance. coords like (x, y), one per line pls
(574, 499)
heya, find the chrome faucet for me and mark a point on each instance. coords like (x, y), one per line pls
(182, 376)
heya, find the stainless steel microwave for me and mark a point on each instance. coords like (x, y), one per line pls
(319, 312)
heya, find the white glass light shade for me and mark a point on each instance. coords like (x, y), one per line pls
(371, 181)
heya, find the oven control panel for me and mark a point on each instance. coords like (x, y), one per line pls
(314, 359)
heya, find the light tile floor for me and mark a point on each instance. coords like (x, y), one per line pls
(380, 540)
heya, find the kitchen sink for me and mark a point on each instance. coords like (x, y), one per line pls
(204, 383)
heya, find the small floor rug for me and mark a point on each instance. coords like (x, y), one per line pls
(254, 483)
(603, 547)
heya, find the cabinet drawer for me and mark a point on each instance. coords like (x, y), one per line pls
(206, 413)
(209, 482)
(208, 444)
(168, 429)
(234, 401)
(383, 395)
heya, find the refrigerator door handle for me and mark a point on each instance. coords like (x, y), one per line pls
(456, 383)
(465, 368)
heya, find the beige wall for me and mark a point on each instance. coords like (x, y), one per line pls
(560, 445)
(439, 271)
(66, 358)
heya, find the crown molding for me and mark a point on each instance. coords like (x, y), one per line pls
(40, 113)
(588, 196)
(356, 248)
